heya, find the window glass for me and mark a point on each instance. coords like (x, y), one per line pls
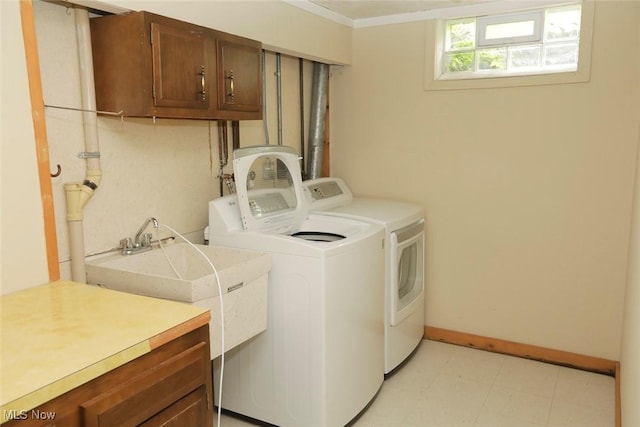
(270, 187)
(524, 57)
(461, 34)
(562, 24)
(561, 54)
(492, 59)
(463, 61)
(509, 29)
(523, 27)
(533, 42)
(407, 270)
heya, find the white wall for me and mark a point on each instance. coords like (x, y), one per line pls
(23, 260)
(630, 358)
(527, 190)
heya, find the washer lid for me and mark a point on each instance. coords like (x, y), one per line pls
(270, 193)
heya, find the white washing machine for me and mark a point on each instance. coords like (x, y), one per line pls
(404, 259)
(320, 361)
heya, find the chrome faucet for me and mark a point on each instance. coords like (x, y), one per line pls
(141, 242)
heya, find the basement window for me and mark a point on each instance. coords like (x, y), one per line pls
(516, 46)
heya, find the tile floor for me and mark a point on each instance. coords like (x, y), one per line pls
(445, 385)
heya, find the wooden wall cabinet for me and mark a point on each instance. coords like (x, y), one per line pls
(147, 65)
(170, 386)
(239, 64)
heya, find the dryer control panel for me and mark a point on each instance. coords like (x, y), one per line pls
(327, 193)
(323, 190)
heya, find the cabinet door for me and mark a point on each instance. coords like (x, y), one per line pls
(148, 65)
(179, 67)
(149, 394)
(239, 76)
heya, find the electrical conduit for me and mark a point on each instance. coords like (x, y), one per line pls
(279, 95)
(77, 195)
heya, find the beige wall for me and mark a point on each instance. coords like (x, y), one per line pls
(22, 251)
(165, 169)
(160, 169)
(280, 26)
(528, 229)
(630, 357)
(527, 190)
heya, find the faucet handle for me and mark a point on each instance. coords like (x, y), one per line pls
(126, 245)
(146, 240)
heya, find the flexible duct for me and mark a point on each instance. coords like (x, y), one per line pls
(318, 111)
(77, 195)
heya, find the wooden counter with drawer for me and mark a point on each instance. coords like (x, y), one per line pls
(78, 355)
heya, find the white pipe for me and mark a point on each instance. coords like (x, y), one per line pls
(77, 195)
(76, 249)
(88, 93)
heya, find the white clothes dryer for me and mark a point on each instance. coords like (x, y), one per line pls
(404, 259)
(320, 361)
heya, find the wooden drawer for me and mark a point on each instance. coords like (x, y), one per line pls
(171, 385)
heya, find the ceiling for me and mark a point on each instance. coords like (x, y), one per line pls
(362, 9)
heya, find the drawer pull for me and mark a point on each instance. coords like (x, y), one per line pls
(235, 287)
(231, 93)
(203, 92)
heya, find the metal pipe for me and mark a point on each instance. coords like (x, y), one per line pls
(223, 151)
(279, 95)
(301, 80)
(318, 112)
(265, 125)
(235, 134)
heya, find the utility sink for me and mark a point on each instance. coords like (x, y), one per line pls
(150, 273)
(243, 278)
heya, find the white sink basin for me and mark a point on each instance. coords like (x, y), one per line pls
(150, 273)
(243, 276)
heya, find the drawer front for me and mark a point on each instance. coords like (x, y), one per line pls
(191, 410)
(149, 393)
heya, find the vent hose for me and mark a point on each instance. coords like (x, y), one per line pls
(318, 112)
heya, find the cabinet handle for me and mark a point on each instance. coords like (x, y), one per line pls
(231, 94)
(203, 92)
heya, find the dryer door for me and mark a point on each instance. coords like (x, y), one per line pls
(270, 192)
(407, 270)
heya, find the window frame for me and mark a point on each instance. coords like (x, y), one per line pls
(482, 22)
(434, 56)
